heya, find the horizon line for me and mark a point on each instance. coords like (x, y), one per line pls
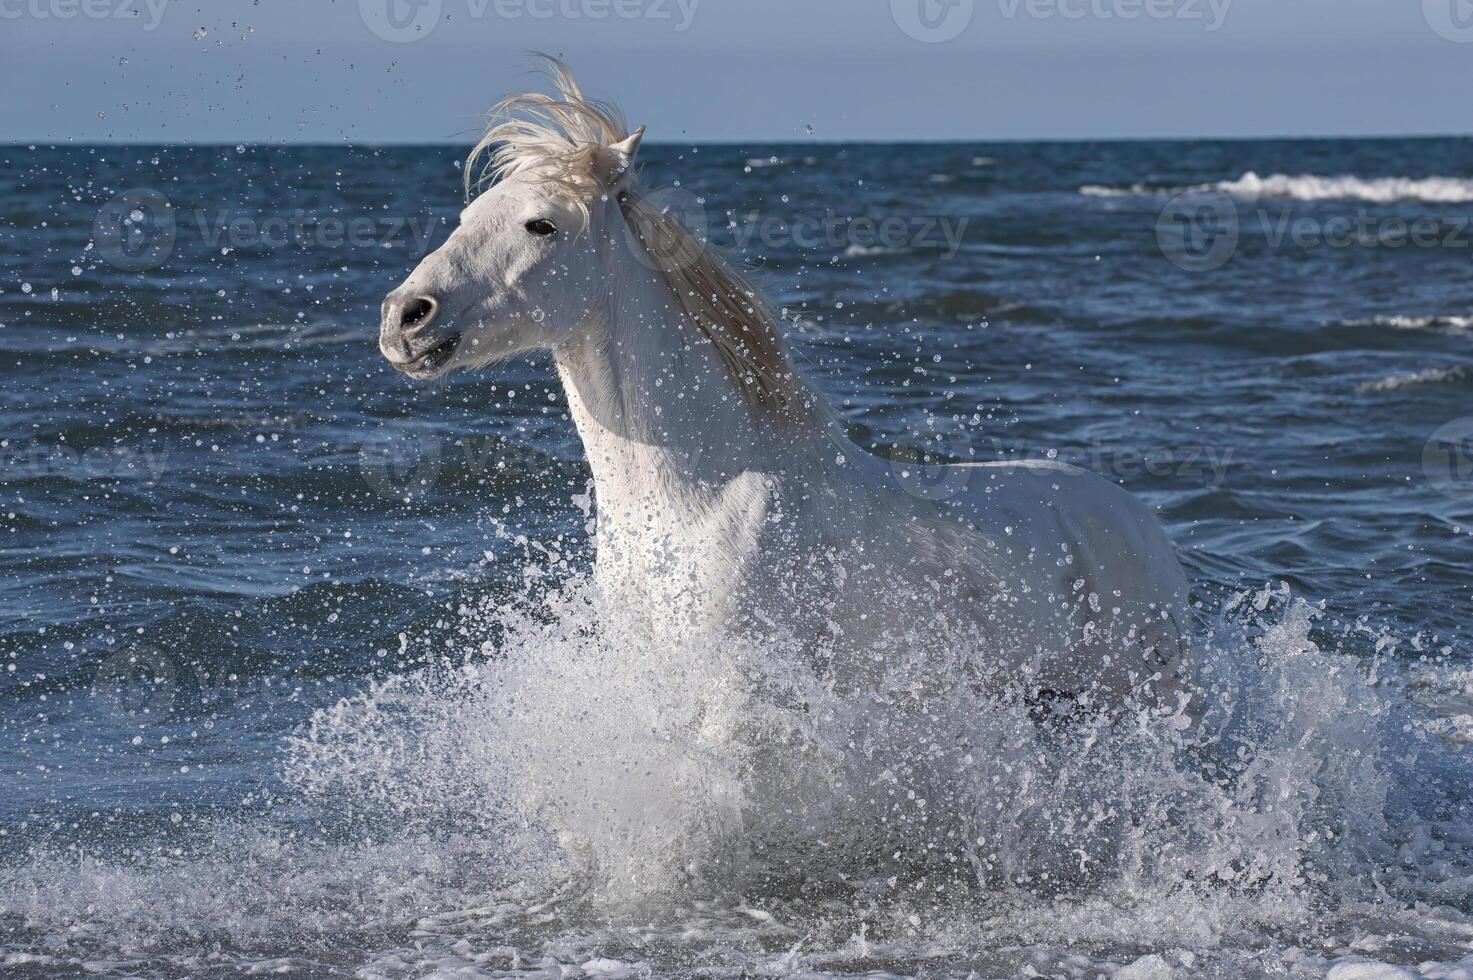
(812, 141)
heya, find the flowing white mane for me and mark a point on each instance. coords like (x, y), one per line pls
(564, 141)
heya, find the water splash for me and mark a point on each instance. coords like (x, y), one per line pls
(573, 792)
(722, 769)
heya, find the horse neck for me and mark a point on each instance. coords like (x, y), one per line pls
(658, 413)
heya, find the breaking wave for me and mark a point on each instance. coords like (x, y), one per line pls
(1449, 324)
(1313, 187)
(1413, 379)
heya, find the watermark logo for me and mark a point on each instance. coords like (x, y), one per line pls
(1451, 19)
(1447, 459)
(936, 474)
(399, 460)
(932, 21)
(938, 471)
(1197, 231)
(667, 228)
(1201, 232)
(400, 21)
(135, 231)
(137, 685)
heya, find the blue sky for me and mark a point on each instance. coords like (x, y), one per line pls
(746, 70)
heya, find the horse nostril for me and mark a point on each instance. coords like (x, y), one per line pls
(417, 313)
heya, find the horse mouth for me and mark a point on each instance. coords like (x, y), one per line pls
(433, 361)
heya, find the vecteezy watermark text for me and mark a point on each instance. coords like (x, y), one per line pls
(1210, 13)
(936, 21)
(670, 212)
(299, 228)
(149, 13)
(931, 471)
(833, 230)
(402, 459)
(1201, 231)
(403, 21)
(139, 229)
(38, 459)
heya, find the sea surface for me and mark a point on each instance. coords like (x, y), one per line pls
(298, 675)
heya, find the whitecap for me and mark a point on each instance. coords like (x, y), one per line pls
(1415, 379)
(857, 250)
(1433, 322)
(1377, 190)
(1312, 187)
(1099, 190)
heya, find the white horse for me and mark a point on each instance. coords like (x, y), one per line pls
(728, 495)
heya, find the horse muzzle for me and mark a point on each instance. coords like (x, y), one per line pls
(412, 337)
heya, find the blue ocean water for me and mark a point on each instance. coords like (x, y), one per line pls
(247, 567)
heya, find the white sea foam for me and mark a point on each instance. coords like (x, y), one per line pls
(1100, 190)
(1314, 187)
(856, 250)
(1416, 379)
(1451, 324)
(1378, 190)
(562, 794)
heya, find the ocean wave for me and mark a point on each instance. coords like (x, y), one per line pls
(1312, 187)
(253, 337)
(856, 250)
(1416, 379)
(1100, 190)
(955, 305)
(1447, 323)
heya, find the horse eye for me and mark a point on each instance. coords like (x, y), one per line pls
(541, 226)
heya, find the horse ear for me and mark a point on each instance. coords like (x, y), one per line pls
(627, 148)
